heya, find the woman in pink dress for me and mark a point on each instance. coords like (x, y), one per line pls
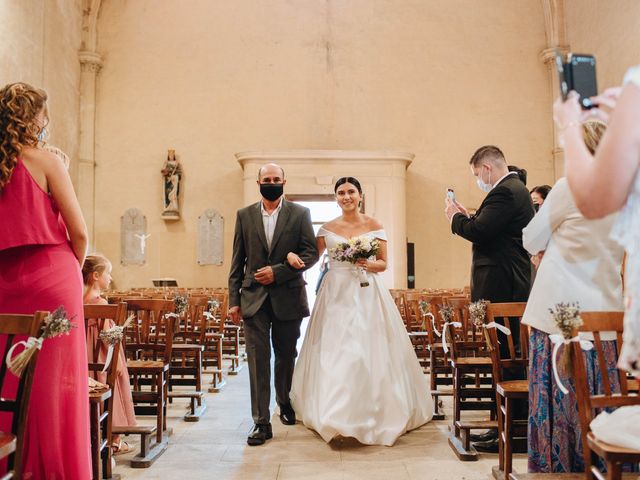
(96, 273)
(43, 240)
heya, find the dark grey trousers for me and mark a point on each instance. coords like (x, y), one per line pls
(284, 337)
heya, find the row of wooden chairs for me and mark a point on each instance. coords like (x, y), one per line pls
(483, 362)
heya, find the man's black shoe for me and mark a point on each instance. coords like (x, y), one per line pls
(490, 446)
(259, 434)
(287, 415)
(483, 437)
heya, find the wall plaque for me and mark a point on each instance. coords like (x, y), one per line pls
(210, 238)
(133, 237)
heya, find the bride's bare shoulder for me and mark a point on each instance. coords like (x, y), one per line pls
(373, 223)
(331, 224)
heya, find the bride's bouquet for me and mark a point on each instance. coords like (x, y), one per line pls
(354, 249)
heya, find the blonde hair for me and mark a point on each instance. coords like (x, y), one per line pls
(20, 104)
(95, 263)
(592, 132)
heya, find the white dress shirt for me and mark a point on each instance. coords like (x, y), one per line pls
(581, 262)
(269, 221)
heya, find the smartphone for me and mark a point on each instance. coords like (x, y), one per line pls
(579, 74)
(451, 194)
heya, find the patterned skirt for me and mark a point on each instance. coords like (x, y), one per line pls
(554, 423)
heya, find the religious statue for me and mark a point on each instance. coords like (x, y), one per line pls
(172, 173)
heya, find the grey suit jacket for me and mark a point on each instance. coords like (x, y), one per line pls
(293, 233)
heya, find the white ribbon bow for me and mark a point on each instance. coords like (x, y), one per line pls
(558, 340)
(208, 316)
(433, 322)
(496, 325)
(444, 336)
(30, 342)
(107, 362)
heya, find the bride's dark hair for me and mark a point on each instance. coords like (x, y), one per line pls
(353, 181)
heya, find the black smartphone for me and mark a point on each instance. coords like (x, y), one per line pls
(578, 73)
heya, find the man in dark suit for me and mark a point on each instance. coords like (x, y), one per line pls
(501, 267)
(269, 294)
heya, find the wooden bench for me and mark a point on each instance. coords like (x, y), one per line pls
(461, 444)
(149, 451)
(197, 406)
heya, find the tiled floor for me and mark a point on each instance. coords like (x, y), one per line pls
(215, 447)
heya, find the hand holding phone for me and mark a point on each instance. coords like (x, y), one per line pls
(578, 74)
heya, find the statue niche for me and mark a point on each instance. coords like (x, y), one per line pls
(172, 174)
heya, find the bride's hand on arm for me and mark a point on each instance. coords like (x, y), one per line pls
(295, 261)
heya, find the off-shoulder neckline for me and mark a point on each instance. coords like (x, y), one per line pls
(347, 238)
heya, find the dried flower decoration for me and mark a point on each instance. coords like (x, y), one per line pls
(567, 318)
(181, 304)
(478, 312)
(115, 334)
(55, 324)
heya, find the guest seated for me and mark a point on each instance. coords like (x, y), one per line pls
(97, 277)
(581, 263)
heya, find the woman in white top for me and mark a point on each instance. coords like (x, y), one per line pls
(580, 264)
(610, 181)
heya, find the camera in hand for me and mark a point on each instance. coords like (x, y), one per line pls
(578, 73)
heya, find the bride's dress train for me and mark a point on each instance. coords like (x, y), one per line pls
(357, 374)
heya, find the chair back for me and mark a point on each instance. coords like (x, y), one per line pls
(507, 351)
(12, 325)
(466, 340)
(150, 337)
(101, 314)
(615, 384)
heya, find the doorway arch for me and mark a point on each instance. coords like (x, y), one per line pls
(382, 175)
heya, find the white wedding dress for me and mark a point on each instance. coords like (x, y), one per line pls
(357, 374)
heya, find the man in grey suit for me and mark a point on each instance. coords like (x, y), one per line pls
(269, 294)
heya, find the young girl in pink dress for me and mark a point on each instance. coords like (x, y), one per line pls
(43, 241)
(96, 273)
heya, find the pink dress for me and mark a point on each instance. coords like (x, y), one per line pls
(38, 271)
(123, 412)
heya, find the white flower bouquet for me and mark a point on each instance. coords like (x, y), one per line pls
(354, 249)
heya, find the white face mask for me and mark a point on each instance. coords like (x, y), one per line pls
(42, 136)
(485, 187)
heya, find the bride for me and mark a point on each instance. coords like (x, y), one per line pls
(357, 374)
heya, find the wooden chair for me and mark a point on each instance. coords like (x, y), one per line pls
(101, 402)
(230, 340)
(149, 347)
(509, 359)
(416, 324)
(186, 362)
(213, 343)
(11, 443)
(588, 404)
(439, 366)
(472, 382)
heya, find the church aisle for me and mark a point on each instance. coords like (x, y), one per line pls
(216, 447)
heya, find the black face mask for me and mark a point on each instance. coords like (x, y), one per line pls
(536, 207)
(271, 191)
